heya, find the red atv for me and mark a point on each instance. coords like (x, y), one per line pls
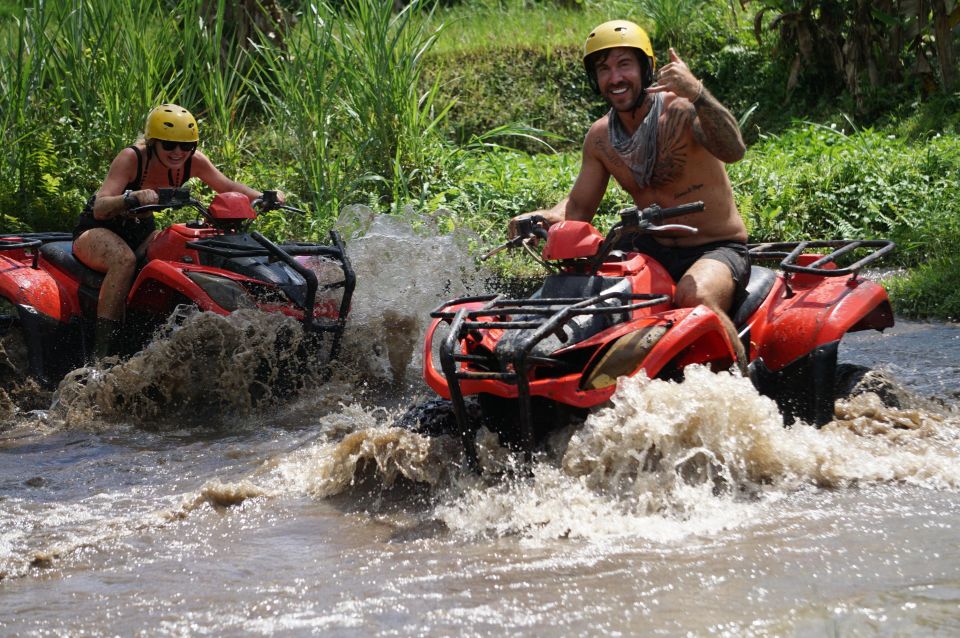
(48, 299)
(524, 367)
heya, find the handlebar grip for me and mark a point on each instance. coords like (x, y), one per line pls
(531, 225)
(269, 199)
(656, 214)
(171, 197)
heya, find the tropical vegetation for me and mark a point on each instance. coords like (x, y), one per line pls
(850, 109)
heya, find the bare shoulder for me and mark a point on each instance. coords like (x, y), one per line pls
(597, 138)
(200, 158)
(599, 131)
(127, 157)
(200, 164)
(123, 170)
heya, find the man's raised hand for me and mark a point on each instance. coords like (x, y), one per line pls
(676, 77)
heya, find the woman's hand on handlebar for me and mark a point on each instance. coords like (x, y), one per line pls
(273, 200)
(146, 196)
(132, 202)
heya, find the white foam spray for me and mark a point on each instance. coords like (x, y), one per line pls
(406, 266)
(666, 460)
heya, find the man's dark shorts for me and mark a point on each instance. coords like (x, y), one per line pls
(677, 260)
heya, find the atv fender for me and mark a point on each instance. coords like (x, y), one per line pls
(790, 326)
(156, 285)
(697, 336)
(23, 285)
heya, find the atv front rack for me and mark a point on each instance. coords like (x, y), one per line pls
(824, 266)
(30, 241)
(286, 254)
(542, 318)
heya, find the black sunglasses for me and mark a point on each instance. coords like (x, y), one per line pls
(184, 146)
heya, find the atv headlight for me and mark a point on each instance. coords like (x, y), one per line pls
(623, 357)
(227, 293)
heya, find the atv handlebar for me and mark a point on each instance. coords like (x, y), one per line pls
(171, 198)
(634, 221)
(176, 198)
(531, 227)
(653, 215)
(268, 201)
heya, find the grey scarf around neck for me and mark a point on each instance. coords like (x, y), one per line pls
(639, 150)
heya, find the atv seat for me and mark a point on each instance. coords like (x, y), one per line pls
(761, 281)
(60, 253)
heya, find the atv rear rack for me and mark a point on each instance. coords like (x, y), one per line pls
(826, 265)
(19, 241)
(543, 317)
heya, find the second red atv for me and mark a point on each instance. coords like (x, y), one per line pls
(48, 299)
(526, 366)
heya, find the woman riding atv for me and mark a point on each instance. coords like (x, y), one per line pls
(109, 238)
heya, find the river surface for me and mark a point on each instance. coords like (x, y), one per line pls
(157, 498)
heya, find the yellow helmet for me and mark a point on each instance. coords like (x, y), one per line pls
(618, 33)
(172, 123)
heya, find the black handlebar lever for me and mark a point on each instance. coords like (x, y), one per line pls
(269, 200)
(174, 197)
(527, 228)
(532, 226)
(654, 215)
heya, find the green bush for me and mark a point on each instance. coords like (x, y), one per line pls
(528, 85)
(932, 290)
(816, 181)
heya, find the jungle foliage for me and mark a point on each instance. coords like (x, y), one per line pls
(850, 108)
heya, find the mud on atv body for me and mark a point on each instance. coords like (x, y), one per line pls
(48, 298)
(526, 366)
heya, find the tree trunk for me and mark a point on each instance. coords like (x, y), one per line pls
(942, 14)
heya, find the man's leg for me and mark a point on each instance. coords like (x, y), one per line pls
(710, 282)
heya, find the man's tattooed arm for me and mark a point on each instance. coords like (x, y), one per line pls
(715, 128)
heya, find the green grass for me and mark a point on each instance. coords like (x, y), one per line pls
(931, 291)
(496, 24)
(477, 108)
(468, 27)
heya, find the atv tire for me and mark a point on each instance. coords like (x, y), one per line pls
(14, 352)
(432, 418)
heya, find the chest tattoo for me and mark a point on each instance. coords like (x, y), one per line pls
(692, 189)
(672, 149)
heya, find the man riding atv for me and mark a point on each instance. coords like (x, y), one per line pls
(665, 142)
(108, 238)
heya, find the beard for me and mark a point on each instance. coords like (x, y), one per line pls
(631, 106)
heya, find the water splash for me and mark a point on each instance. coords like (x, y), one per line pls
(372, 451)
(667, 460)
(406, 266)
(201, 366)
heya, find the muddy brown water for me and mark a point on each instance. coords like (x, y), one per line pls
(187, 510)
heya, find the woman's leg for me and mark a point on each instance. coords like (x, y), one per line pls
(141, 251)
(103, 250)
